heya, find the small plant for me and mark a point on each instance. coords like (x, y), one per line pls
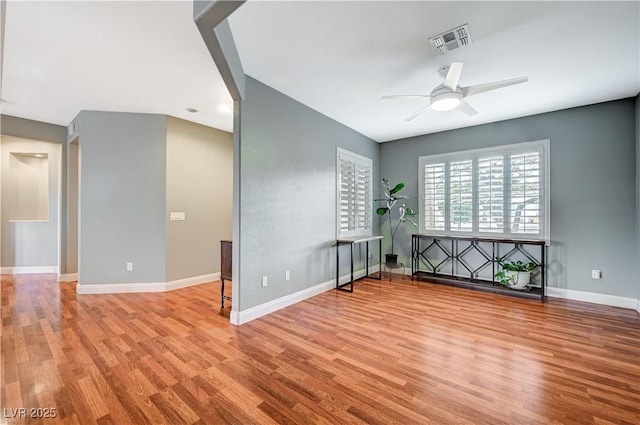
(508, 276)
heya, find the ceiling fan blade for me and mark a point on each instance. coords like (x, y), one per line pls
(453, 76)
(481, 88)
(403, 96)
(416, 113)
(466, 108)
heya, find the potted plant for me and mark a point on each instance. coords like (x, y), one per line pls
(391, 198)
(514, 274)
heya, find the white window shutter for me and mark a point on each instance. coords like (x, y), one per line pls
(525, 211)
(491, 188)
(355, 204)
(461, 195)
(499, 192)
(433, 211)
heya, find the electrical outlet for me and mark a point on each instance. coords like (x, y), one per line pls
(264, 281)
(129, 267)
(287, 275)
(596, 274)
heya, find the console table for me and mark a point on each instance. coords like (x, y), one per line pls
(351, 242)
(226, 252)
(452, 252)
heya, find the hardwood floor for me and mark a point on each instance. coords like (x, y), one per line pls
(390, 353)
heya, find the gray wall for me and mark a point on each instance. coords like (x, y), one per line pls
(39, 252)
(73, 169)
(287, 180)
(29, 129)
(122, 197)
(29, 243)
(593, 180)
(638, 190)
(200, 184)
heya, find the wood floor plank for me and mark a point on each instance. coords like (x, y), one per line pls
(392, 352)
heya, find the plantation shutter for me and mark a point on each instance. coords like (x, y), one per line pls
(525, 193)
(354, 194)
(461, 195)
(492, 192)
(434, 196)
(491, 182)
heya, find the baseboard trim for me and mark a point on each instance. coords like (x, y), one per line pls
(242, 317)
(192, 281)
(69, 277)
(593, 297)
(123, 288)
(29, 270)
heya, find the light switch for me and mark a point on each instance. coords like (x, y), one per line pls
(177, 216)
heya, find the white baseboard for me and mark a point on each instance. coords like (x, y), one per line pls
(69, 277)
(242, 317)
(29, 270)
(593, 297)
(192, 281)
(122, 288)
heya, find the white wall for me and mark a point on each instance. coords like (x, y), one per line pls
(200, 184)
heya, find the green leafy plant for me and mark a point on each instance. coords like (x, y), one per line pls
(508, 279)
(391, 198)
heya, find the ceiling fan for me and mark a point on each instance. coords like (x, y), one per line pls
(449, 95)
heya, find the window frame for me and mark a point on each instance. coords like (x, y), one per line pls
(342, 154)
(506, 151)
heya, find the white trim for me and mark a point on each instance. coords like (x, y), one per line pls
(192, 281)
(593, 297)
(69, 277)
(638, 306)
(29, 270)
(121, 288)
(242, 317)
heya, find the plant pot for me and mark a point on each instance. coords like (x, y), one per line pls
(518, 280)
(391, 260)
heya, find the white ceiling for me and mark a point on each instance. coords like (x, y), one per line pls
(341, 57)
(337, 57)
(63, 57)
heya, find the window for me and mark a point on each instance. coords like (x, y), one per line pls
(354, 202)
(495, 192)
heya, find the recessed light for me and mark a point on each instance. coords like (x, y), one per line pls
(39, 155)
(224, 108)
(192, 110)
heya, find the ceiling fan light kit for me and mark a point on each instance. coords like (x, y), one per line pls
(446, 101)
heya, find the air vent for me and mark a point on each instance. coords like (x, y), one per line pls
(452, 39)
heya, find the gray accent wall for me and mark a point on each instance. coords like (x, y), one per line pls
(593, 187)
(637, 101)
(200, 184)
(30, 129)
(29, 242)
(287, 179)
(38, 242)
(73, 170)
(122, 197)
